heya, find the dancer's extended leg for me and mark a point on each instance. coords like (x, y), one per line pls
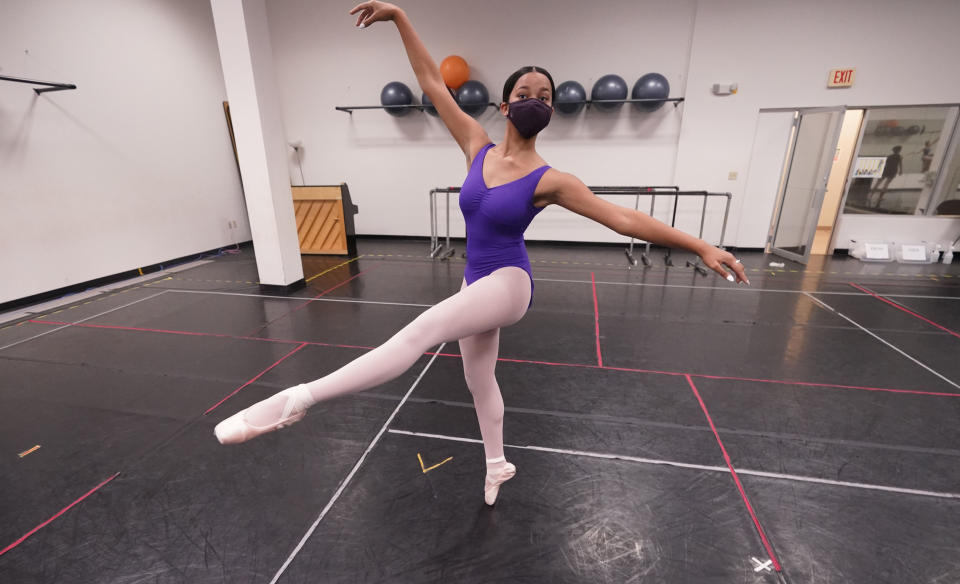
(479, 364)
(494, 301)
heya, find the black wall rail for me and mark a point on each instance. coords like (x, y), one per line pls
(350, 108)
(48, 85)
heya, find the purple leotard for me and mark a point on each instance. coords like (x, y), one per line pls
(496, 219)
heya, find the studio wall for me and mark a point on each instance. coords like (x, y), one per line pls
(132, 168)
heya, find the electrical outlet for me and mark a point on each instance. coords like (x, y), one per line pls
(732, 175)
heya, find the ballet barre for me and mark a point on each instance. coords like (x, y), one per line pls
(444, 249)
(636, 192)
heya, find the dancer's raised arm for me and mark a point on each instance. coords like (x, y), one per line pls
(468, 133)
(566, 190)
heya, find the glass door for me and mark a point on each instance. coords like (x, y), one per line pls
(814, 147)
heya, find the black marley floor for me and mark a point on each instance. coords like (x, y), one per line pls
(666, 426)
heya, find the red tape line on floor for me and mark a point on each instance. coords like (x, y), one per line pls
(62, 511)
(903, 308)
(308, 301)
(258, 376)
(528, 361)
(736, 479)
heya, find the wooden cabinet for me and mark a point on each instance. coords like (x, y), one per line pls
(320, 219)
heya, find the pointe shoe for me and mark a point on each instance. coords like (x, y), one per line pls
(491, 486)
(237, 429)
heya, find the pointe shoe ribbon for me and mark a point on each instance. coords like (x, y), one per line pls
(491, 487)
(236, 429)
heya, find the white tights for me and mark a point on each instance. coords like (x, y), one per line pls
(473, 316)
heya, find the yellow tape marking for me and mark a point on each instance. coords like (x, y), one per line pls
(426, 470)
(311, 278)
(26, 452)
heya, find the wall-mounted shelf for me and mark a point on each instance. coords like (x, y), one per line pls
(350, 108)
(676, 101)
(48, 85)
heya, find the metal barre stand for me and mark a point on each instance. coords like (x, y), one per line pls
(696, 265)
(637, 191)
(437, 250)
(445, 250)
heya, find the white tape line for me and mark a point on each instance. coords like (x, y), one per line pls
(347, 300)
(92, 292)
(867, 486)
(81, 321)
(356, 467)
(739, 289)
(571, 452)
(872, 334)
(740, 471)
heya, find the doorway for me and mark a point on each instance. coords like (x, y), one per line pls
(822, 145)
(836, 183)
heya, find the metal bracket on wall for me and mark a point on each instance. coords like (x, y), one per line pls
(49, 85)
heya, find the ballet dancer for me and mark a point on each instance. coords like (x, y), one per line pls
(506, 186)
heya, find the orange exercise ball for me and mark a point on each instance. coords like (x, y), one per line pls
(455, 71)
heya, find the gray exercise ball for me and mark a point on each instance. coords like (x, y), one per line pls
(473, 97)
(609, 87)
(396, 93)
(570, 98)
(650, 86)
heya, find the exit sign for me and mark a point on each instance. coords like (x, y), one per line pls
(841, 77)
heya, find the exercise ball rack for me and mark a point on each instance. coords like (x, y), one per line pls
(350, 108)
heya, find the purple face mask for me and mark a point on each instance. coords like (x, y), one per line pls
(529, 116)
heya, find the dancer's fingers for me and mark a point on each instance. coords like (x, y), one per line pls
(719, 260)
(717, 266)
(359, 7)
(365, 9)
(737, 267)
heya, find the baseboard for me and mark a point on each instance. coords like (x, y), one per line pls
(105, 280)
(283, 289)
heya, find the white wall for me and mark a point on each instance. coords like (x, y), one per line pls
(779, 52)
(135, 166)
(392, 163)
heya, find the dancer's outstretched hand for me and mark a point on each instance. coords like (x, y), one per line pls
(716, 259)
(374, 11)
